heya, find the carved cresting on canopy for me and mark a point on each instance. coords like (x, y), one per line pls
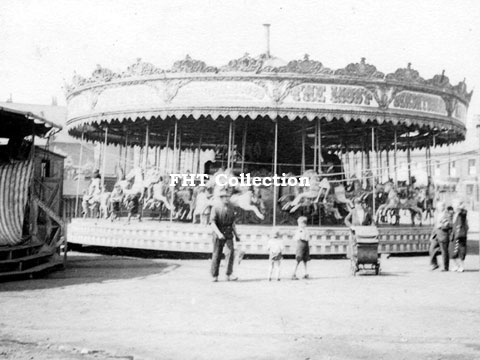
(266, 86)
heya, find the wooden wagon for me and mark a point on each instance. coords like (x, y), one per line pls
(32, 231)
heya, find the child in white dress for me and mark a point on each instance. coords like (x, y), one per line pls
(275, 249)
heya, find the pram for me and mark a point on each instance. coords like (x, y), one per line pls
(363, 249)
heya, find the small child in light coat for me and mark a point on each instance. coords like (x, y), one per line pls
(302, 236)
(275, 250)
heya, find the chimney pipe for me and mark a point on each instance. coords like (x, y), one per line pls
(267, 38)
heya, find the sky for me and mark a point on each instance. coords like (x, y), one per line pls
(43, 42)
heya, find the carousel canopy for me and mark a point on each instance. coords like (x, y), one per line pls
(249, 91)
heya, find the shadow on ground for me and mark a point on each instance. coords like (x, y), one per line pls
(87, 269)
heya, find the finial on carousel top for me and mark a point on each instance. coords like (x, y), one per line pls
(266, 63)
(361, 69)
(407, 75)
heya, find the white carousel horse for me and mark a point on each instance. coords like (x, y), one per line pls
(410, 203)
(245, 200)
(242, 197)
(133, 187)
(202, 202)
(156, 191)
(391, 204)
(312, 194)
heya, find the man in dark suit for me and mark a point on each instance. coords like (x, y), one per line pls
(222, 221)
(441, 236)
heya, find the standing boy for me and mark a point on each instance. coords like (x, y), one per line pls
(302, 236)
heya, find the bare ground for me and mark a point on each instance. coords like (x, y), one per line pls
(111, 307)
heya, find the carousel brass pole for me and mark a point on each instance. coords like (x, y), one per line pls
(174, 166)
(395, 169)
(126, 154)
(179, 151)
(303, 167)
(373, 174)
(387, 156)
(315, 149)
(147, 144)
(232, 161)
(244, 144)
(167, 152)
(199, 152)
(319, 134)
(275, 161)
(229, 154)
(104, 160)
(78, 173)
(409, 161)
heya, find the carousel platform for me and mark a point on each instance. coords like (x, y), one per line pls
(190, 238)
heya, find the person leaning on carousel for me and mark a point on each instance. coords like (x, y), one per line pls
(359, 215)
(222, 221)
(441, 236)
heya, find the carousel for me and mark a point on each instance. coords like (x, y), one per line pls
(262, 116)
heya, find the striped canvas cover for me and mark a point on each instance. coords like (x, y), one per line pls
(14, 183)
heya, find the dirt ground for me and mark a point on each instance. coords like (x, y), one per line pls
(113, 307)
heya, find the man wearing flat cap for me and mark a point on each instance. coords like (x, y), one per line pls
(222, 221)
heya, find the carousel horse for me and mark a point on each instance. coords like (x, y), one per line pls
(183, 202)
(92, 197)
(156, 192)
(313, 194)
(241, 196)
(115, 202)
(246, 199)
(410, 203)
(201, 205)
(134, 189)
(390, 205)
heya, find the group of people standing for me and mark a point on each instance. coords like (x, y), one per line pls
(222, 221)
(449, 236)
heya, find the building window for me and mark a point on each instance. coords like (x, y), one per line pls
(453, 170)
(472, 167)
(470, 189)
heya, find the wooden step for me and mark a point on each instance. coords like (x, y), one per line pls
(12, 252)
(32, 272)
(25, 262)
